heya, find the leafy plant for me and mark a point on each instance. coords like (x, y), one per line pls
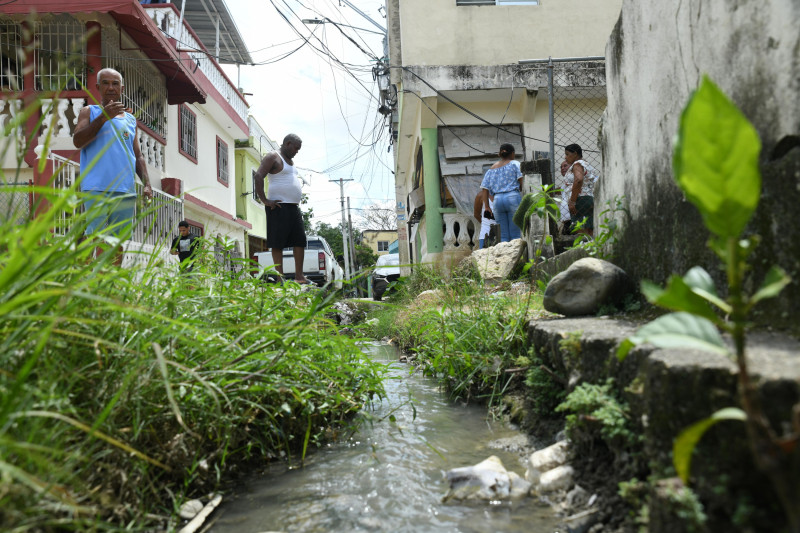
(591, 406)
(605, 237)
(716, 165)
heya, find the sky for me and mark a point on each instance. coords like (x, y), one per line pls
(308, 93)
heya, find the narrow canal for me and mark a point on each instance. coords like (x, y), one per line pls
(389, 477)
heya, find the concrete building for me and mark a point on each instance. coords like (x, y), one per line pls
(189, 113)
(455, 69)
(379, 241)
(249, 153)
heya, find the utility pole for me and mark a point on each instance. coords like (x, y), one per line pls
(350, 233)
(345, 249)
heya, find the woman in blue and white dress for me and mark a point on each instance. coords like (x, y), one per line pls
(504, 181)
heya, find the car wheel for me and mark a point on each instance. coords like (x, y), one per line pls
(378, 288)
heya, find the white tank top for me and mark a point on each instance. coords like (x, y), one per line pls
(284, 186)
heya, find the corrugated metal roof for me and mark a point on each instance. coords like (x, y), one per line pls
(201, 15)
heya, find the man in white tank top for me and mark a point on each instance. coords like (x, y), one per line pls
(282, 204)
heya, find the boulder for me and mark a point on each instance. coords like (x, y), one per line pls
(588, 285)
(546, 459)
(559, 478)
(498, 262)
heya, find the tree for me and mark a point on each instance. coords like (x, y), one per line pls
(365, 257)
(377, 217)
(334, 237)
(307, 215)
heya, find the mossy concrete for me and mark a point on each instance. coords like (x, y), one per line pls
(669, 389)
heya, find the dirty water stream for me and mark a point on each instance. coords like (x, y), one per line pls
(388, 477)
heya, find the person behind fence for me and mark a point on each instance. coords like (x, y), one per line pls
(284, 219)
(185, 246)
(581, 178)
(110, 156)
(503, 181)
(563, 207)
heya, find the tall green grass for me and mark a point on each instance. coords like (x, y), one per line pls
(463, 334)
(125, 391)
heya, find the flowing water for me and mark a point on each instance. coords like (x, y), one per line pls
(389, 477)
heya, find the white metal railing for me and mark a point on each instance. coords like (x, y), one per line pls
(66, 172)
(157, 221)
(457, 232)
(168, 21)
(145, 87)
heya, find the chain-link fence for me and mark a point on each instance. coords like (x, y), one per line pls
(15, 202)
(576, 94)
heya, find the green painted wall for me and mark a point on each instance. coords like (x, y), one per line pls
(433, 213)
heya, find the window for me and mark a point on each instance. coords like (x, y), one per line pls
(10, 67)
(497, 2)
(188, 127)
(222, 162)
(383, 246)
(253, 186)
(59, 54)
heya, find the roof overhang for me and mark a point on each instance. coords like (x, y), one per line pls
(176, 67)
(202, 15)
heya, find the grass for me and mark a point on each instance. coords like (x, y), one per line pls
(124, 392)
(464, 334)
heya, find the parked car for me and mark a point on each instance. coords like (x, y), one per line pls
(386, 271)
(319, 264)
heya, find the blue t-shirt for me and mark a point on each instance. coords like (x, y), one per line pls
(503, 179)
(108, 163)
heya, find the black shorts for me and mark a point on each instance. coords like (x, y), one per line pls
(285, 227)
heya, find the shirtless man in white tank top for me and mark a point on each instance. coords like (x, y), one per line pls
(284, 219)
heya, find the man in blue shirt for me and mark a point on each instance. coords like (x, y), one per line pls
(110, 156)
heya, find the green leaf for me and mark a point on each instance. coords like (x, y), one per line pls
(685, 443)
(677, 330)
(698, 278)
(624, 348)
(716, 161)
(678, 296)
(774, 283)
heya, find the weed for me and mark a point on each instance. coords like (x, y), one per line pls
(594, 406)
(124, 388)
(547, 389)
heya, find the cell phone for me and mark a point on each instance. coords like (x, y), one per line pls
(488, 214)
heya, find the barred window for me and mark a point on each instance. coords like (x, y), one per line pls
(10, 61)
(253, 185)
(188, 127)
(145, 87)
(222, 162)
(59, 55)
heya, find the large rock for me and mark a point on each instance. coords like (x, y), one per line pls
(549, 458)
(585, 287)
(496, 263)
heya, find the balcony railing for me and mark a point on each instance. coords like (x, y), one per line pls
(166, 19)
(461, 232)
(157, 222)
